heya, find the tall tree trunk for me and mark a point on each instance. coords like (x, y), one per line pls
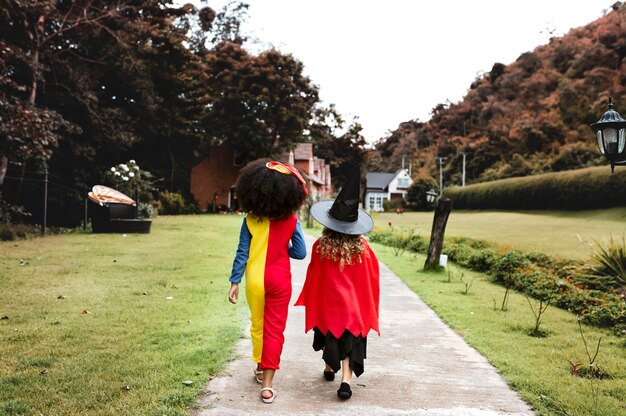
(172, 165)
(4, 160)
(33, 85)
(39, 30)
(4, 164)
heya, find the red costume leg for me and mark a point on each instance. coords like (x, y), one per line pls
(277, 297)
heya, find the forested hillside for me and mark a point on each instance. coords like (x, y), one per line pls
(528, 117)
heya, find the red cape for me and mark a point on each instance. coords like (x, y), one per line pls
(336, 300)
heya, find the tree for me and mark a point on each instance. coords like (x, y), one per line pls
(260, 105)
(115, 79)
(343, 152)
(416, 194)
(26, 33)
(213, 28)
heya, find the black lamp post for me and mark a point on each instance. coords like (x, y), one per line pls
(610, 134)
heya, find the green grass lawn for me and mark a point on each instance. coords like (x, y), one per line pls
(562, 233)
(135, 347)
(536, 367)
(131, 353)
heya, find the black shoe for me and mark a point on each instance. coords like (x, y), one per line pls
(329, 375)
(344, 391)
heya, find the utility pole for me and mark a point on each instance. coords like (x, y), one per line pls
(441, 160)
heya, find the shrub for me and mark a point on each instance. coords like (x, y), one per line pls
(536, 274)
(607, 268)
(416, 194)
(128, 178)
(11, 213)
(394, 204)
(145, 210)
(171, 203)
(10, 232)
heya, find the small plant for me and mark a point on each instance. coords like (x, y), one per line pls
(591, 370)
(449, 275)
(401, 243)
(129, 179)
(467, 284)
(171, 203)
(505, 299)
(540, 310)
(145, 210)
(608, 266)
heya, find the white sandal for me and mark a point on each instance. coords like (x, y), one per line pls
(269, 399)
(258, 373)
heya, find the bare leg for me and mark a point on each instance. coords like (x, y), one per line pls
(344, 391)
(259, 375)
(268, 378)
(328, 368)
(346, 371)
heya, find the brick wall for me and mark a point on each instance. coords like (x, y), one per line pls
(216, 173)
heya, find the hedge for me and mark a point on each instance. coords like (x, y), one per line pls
(535, 274)
(590, 188)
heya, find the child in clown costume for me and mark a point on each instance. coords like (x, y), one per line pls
(270, 193)
(341, 291)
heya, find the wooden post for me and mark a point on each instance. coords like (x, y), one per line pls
(44, 222)
(442, 212)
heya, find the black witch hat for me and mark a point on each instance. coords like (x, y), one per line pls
(343, 214)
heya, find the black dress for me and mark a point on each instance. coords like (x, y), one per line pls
(335, 350)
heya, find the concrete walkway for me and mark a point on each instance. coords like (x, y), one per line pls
(418, 366)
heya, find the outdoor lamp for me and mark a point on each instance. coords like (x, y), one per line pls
(431, 195)
(610, 135)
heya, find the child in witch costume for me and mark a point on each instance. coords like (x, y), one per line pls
(270, 193)
(341, 291)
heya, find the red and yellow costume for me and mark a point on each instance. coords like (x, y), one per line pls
(265, 246)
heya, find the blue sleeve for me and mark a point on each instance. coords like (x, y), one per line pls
(243, 252)
(297, 248)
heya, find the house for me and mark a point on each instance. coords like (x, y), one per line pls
(381, 187)
(213, 179)
(317, 170)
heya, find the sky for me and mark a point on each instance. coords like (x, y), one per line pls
(391, 61)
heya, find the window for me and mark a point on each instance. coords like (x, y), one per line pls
(376, 203)
(403, 182)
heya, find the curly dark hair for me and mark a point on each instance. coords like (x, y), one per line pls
(267, 193)
(341, 248)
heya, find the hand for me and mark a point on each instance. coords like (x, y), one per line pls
(233, 293)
